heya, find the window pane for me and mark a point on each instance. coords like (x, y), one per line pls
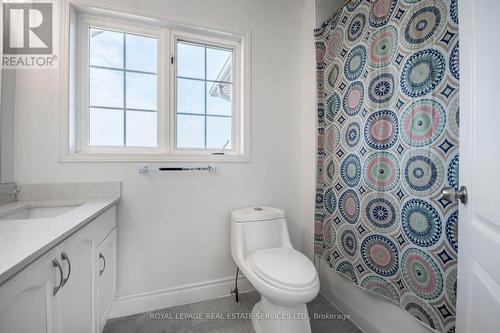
(106, 87)
(106, 127)
(190, 131)
(141, 91)
(219, 98)
(141, 53)
(141, 129)
(106, 48)
(218, 132)
(219, 64)
(190, 61)
(190, 96)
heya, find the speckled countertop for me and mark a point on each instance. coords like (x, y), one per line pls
(24, 240)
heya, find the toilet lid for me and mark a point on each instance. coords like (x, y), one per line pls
(282, 266)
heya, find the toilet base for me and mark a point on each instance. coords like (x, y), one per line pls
(274, 318)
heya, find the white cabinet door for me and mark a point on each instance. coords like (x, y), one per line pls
(75, 297)
(478, 306)
(27, 300)
(106, 277)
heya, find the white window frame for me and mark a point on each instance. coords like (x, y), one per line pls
(85, 22)
(236, 92)
(74, 98)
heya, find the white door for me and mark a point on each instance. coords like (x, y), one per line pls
(75, 297)
(478, 308)
(28, 299)
(106, 277)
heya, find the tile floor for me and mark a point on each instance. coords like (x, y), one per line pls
(169, 320)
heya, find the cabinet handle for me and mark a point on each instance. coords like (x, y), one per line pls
(64, 256)
(101, 256)
(56, 263)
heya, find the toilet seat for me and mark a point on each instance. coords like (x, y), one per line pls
(284, 268)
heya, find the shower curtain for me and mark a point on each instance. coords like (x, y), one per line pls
(388, 123)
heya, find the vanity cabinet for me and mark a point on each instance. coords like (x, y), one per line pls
(69, 288)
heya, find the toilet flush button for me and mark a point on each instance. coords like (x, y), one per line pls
(258, 208)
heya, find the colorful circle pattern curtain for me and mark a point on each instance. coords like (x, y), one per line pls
(388, 123)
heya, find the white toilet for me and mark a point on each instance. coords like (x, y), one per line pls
(285, 278)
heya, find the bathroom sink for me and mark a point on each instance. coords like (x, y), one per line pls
(38, 212)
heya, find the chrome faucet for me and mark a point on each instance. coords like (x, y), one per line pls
(14, 194)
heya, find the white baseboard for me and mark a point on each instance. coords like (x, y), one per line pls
(185, 294)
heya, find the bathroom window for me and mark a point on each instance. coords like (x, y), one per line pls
(123, 89)
(204, 94)
(138, 91)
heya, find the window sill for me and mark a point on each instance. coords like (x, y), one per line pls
(148, 157)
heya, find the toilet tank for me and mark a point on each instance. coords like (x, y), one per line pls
(257, 228)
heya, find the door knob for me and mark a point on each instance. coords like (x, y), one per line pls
(451, 194)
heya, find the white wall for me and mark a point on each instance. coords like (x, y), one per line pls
(326, 8)
(8, 78)
(7, 119)
(305, 137)
(173, 229)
